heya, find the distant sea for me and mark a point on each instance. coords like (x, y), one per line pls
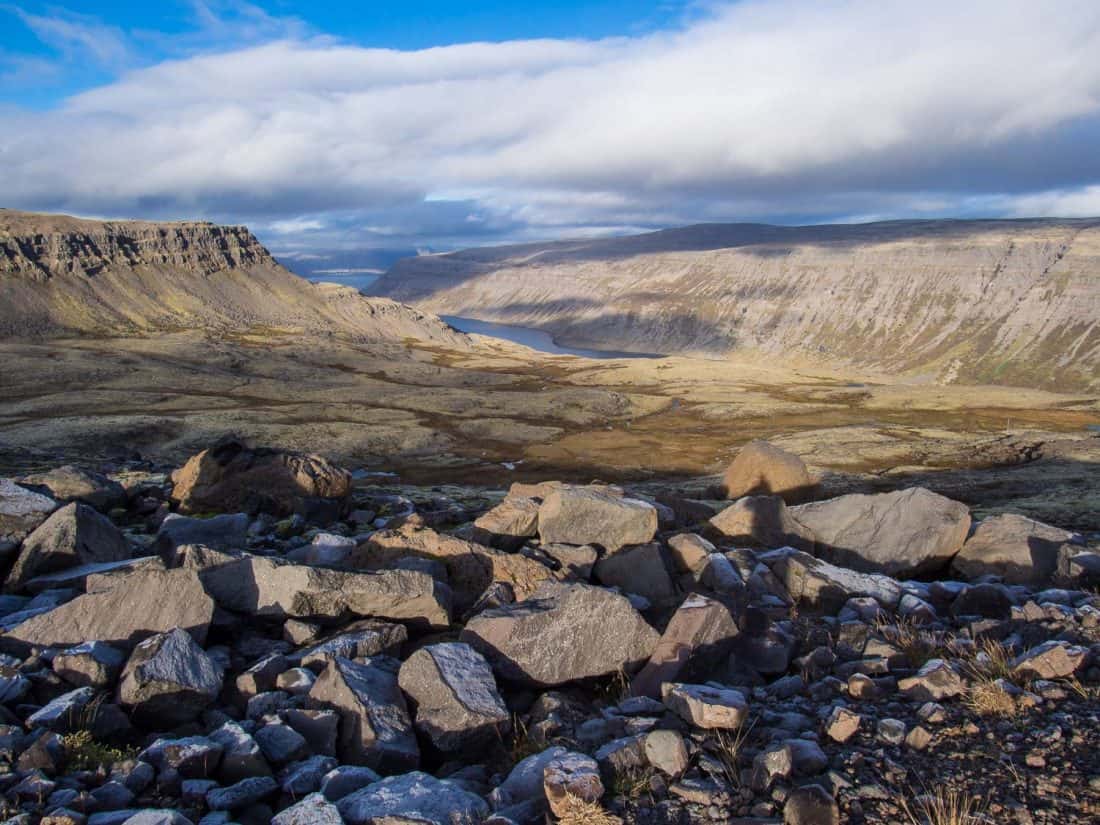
(359, 280)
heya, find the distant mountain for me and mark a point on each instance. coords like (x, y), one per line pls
(61, 276)
(1012, 302)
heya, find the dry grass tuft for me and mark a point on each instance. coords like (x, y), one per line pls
(987, 697)
(633, 782)
(523, 744)
(577, 811)
(915, 641)
(728, 746)
(945, 806)
(992, 660)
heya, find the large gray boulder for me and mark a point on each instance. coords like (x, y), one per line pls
(312, 810)
(642, 569)
(120, 611)
(413, 797)
(276, 589)
(760, 521)
(228, 531)
(590, 515)
(1018, 549)
(375, 728)
(71, 483)
(904, 533)
(817, 584)
(169, 679)
(74, 535)
(509, 524)
(761, 468)
(456, 704)
(21, 511)
(562, 634)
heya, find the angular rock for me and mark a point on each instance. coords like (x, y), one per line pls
(169, 679)
(313, 810)
(842, 724)
(1050, 660)
(228, 531)
(242, 794)
(1017, 549)
(375, 728)
(761, 469)
(761, 521)
(92, 664)
(306, 776)
(120, 611)
(700, 633)
(281, 744)
(77, 577)
(904, 533)
(413, 797)
(358, 640)
(192, 757)
(639, 569)
(561, 634)
(935, 680)
(455, 699)
(571, 775)
(589, 515)
(74, 535)
(818, 584)
(21, 511)
(64, 713)
(241, 755)
(232, 476)
(509, 524)
(690, 552)
(706, 707)
(71, 483)
(346, 779)
(811, 805)
(665, 751)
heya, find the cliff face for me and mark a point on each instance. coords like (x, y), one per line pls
(61, 275)
(1008, 302)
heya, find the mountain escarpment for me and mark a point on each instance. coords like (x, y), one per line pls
(1013, 302)
(64, 276)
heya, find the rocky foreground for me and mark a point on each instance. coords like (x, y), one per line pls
(262, 636)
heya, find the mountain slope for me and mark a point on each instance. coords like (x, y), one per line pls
(1009, 302)
(62, 275)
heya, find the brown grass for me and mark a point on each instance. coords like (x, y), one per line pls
(946, 806)
(917, 643)
(728, 746)
(989, 698)
(577, 811)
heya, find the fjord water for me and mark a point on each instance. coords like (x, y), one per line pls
(534, 338)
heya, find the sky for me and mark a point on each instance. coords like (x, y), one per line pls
(342, 132)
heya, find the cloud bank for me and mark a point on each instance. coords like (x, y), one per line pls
(790, 110)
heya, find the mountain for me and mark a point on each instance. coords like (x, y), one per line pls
(61, 275)
(1013, 302)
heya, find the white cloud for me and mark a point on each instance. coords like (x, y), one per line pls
(786, 109)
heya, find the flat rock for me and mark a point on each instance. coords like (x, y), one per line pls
(904, 533)
(763, 469)
(590, 515)
(21, 511)
(819, 584)
(169, 679)
(935, 680)
(706, 707)
(455, 699)
(413, 797)
(1050, 660)
(563, 633)
(228, 531)
(71, 483)
(509, 524)
(1017, 549)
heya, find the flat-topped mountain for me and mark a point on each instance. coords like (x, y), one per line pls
(1012, 302)
(61, 275)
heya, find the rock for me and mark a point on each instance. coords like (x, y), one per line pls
(70, 483)
(242, 794)
(77, 577)
(918, 738)
(346, 779)
(690, 552)
(639, 569)
(228, 531)
(92, 664)
(232, 476)
(21, 511)
(1017, 549)
(375, 728)
(295, 681)
(306, 776)
(413, 797)
(842, 724)
(359, 640)
(313, 810)
(192, 757)
(810, 805)
(563, 633)
(763, 469)
(573, 560)
(936, 680)
(276, 589)
(325, 549)
(706, 707)
(241, 756)
(63, 713)
(261, 676)
(891, 731)
(665, 751)
(762, 521)
(509, 524)
(169, 679)
(701, 632)
(281, 744)
(905, 533)
(571, 775)
(454, 697)
(74, 535)
(471, 567)
(590, 515)
(1050, 660)
(818, 584)
(156, 816)
(987, 600)
(120, 611)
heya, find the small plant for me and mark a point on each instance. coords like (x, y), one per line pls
(84, 753)
(632, 782)
(917, 643)
(987, 697)
(523, 744)
(728, 746)
(992, 661)
(946, 806)
(577, 811)
(616, 688)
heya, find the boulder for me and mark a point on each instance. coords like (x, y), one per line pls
(120, 611)
(1050, 660)
(92, 664)
(509, 524)
(905, 533)
(169, 679)
(242, 794)
(763, 469)
(563, 633)
(700, 634)
(471, 567)
(707, 707)
(71, 483)
(811, 805)
(63, 713)
(690, 552)
(232, 476)
(827, 587)
(455, 701)
(640, 569)
(1017, 549)
(21, 511)
(934, 681)
(228, 531)
(277, 589)
(241, 755)
(77, 577)
(591, 515)
(313, 810)
(358, 640)
(375, 728)
(74, 535)
(761, 521)
(413, 797)
(571, 776)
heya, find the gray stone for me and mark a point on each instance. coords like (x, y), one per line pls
(639, 569)
(456, 702)
(706, 707)
(509, 524)
(810, 805)
(936, 680)
(360, 640)
(241, 755)
(761, 468)
(524, 782)
(1017, 549)
(305, 777)
(571, 776)
(74, 535)
(1050, 660)
(281, 743)
(313, 810)
(169, 679)
(71, 483)
(346, 779)
(665, 750)
(820, 585)
(156, 816)
(242, 794)
(64, 713)
(223, 532)
(21, 511)
(92, 664)
(193, 757)
(761, 521)
(416, 797)
(590, 515)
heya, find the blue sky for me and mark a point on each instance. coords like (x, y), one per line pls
(342, 130)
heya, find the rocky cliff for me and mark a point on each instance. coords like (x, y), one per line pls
(62, 275)
(1009, 302)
